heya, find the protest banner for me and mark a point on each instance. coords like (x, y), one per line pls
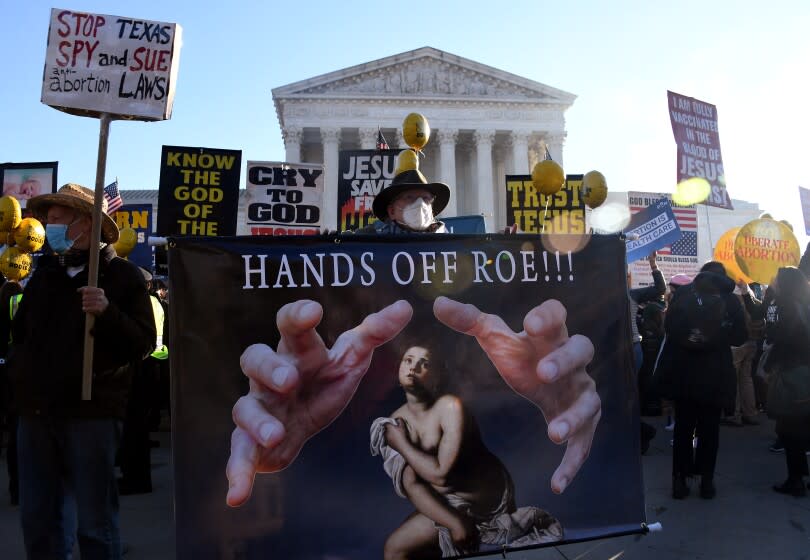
(335, 500)
(198, 191)
(102, 64)
(139, 218)
(284, 198)
(26, 180)
(694, 124)
(804, 197)
(651, 229)
(362, 174)
(681, 257)
(562, 212)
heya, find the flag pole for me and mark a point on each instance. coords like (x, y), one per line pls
(95, 238)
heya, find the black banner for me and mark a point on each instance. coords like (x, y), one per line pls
(362, 174)
(199, 191)
(336, 499)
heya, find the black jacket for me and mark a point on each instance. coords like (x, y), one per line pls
(703, 376)
(45, 360)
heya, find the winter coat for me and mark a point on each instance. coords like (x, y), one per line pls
(45, 361)
(704, 376)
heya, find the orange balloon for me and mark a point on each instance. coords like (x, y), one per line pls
(724, 253)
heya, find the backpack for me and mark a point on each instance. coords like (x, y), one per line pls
(698, 320)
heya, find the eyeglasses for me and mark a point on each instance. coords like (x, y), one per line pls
(409, 198)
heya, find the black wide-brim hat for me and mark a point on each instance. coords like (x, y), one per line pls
(405, 181)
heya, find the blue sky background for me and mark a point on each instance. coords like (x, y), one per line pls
(750, 59)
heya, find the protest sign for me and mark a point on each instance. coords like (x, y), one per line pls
(724, 253)
(651, 229)
(804, 196)
(562, 212)
(198, 191)
(694, 124)
(284, 198)
(27, 180)
(763, 246)
(102, 64)
(335, 500)
(465, 224)
(362, 174)
(681, 257)
(139, 218)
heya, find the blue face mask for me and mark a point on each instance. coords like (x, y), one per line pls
(56, 234)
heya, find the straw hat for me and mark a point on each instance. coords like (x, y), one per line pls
(79, 198)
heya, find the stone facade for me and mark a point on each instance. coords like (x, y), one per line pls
(485, 123)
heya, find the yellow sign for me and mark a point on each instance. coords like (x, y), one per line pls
(724, 253)
(764, 246)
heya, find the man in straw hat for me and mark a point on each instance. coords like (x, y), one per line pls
(67, 445)
(409, 205)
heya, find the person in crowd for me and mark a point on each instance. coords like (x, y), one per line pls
(9, 303)
(787, 329)
(300, 388)
(66, 444)
(676, 282)
(745, 408)
(703, 321)
(409, 204)
(640, 298)
(144, 395)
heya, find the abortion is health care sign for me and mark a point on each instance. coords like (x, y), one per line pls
(102, 64)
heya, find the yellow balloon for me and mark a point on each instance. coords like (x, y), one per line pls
(407, 160)
(788, 224)
(29, 235)
(127, 239)
(762, 247)
(724, 253)
(14, 264)
(10, 213)
(416, 131)
(548, 177)
(594, 189)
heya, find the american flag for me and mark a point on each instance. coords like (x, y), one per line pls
(381, 143)
(113, 197)
(686, 216)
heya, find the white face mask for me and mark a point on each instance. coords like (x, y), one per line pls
(418, 215)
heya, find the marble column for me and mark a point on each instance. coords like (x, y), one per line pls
(555, 141)
(502, 153)
(447, 147)
(292, 143)
(486, 195)
(520, 152)
(331, 144)
(368, 138)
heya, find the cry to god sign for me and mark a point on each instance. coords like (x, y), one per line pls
(125, 67)
(284, 198)
(199, 191)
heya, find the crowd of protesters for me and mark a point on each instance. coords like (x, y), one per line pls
(703, 356)
(706, 352)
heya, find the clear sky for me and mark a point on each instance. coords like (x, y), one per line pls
(749, 58)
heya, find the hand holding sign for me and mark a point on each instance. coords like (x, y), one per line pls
(304, 384)
(543, 364)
